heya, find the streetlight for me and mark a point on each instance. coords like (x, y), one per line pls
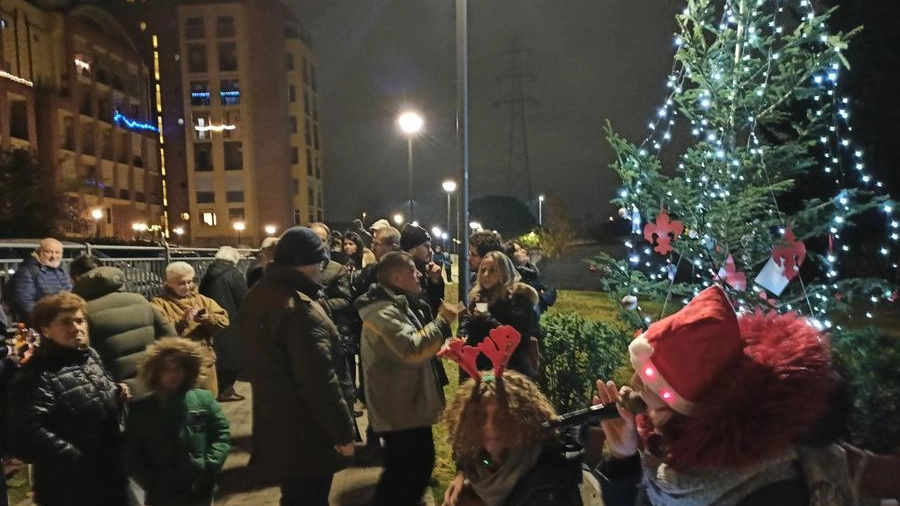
(364, 219)
(271, 229)
(462, 138)
(97, 214)
(411, 123)
(449, 187)
(179, 231)
(540, 211)
(239, 227)
(398, 219)
(436, 232)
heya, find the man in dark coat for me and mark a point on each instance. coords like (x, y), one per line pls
(122, 324)
(303, 427)
(225, 284)
(66, 413)
(40, 274)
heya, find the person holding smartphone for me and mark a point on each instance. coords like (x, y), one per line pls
(195, 316)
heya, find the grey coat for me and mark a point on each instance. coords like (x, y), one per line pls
(403, 389)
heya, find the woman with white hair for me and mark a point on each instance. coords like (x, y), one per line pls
(225, 284)
(195, 316)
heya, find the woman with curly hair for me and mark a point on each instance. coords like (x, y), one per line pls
(499, 298)
(177, 439)
(504, 455)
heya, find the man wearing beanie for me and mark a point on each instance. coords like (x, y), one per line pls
(416, 241)
(303, 427)
(730, 402)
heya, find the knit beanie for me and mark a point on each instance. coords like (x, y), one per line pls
(299, 246)
(412, 236)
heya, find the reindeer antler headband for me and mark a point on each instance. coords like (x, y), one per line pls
(498, 347)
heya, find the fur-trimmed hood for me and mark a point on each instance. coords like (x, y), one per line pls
(186, 351)
(768, 403)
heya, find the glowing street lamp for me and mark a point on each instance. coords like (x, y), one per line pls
(271, 229)
(239, 227)
(411, 124)
(540, 210)
(398, 219)
(449, 187)
(97, 214)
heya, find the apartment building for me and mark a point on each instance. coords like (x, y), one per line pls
(237, 97)
(75, 90)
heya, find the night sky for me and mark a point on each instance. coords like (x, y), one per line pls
(592, 60)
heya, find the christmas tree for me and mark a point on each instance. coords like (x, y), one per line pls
(762, 197)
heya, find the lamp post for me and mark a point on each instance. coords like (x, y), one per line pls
(541, 211)
(449, 187)
(462, 137)
(239, 227)
(411, 124)
(97, 214)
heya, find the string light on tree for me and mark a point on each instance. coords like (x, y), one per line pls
(742, 69)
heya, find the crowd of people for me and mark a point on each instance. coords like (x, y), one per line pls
(121, 388)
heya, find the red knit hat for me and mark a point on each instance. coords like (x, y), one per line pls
(684, 355)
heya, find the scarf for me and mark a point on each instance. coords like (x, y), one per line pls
(712, 487)
(493, 486)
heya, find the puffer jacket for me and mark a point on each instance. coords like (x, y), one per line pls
(34, 280)
(402, 383)
(175, 447)
(225, 284)
(66, 415)
(121, 324)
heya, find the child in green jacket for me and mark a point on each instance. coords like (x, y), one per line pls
(177, 438)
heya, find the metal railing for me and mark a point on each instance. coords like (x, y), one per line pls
(144, 266)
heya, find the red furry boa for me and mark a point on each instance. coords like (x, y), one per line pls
(766, 402)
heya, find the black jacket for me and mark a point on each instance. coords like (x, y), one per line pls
(516, 309)
(66, 415)
(553, 481)
(293, 359)
(224, 284)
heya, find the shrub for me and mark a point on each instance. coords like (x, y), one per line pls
(867, 360)
(576, 352)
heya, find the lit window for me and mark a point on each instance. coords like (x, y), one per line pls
(200, 93)
(208, 218)
(230, 92)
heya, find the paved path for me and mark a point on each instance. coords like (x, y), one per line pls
(352, 487)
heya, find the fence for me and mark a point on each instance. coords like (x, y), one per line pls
(144, 266)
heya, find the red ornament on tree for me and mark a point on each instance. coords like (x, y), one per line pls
(665, 232)
(790, 254)
(729, 274)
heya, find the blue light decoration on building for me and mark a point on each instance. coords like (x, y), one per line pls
(122, 120)
(230, 97)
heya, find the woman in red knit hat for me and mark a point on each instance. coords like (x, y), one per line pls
(729, 402)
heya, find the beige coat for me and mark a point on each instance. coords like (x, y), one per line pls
(174, 307)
